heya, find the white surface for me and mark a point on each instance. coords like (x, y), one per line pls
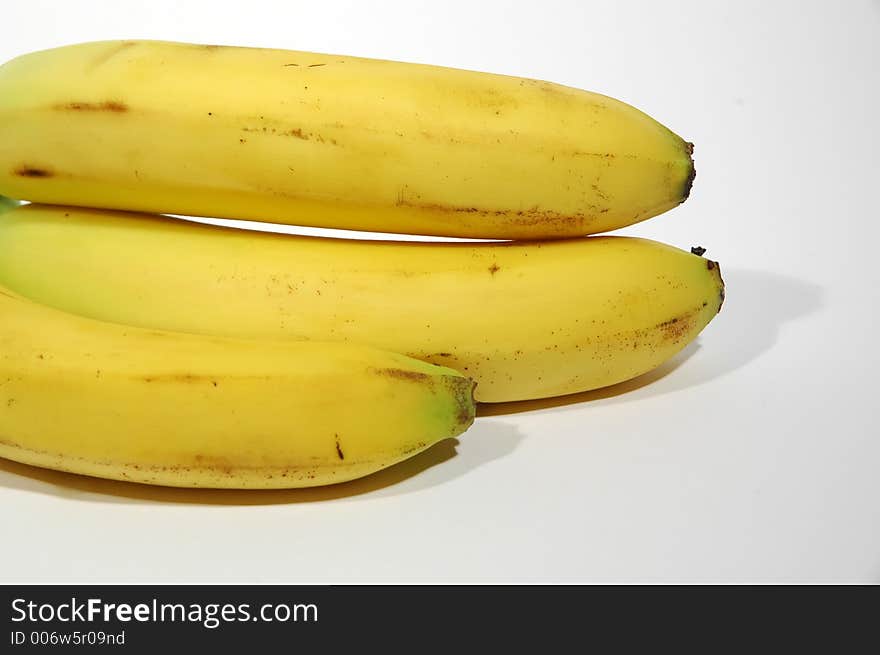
(752, 458)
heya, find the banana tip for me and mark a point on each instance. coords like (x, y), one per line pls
(692, 172)
(715, 267)
(465, 395)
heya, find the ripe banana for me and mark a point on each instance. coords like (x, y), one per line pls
(330, 141)
(525, 320)
(164, 408)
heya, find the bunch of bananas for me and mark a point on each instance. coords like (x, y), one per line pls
(153, 349)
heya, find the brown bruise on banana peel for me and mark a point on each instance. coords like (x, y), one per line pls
(548, 218)
(402, 374)
(112, 106)
(296, 132)
(26, 170)
(678, 328)
(188, 378)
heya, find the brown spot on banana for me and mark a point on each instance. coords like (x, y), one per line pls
(601, 155)
(522, 217)
(26, 170)
(190, 378)
(296, 132)
(175, 377)
(677, 328)
(413, 448)
(214, 462)
(402, 374)
(112, 106)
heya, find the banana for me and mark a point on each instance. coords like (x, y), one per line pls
(171, 409)
(524, 319)
(329, 141)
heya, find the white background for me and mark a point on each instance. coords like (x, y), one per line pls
(752, 457)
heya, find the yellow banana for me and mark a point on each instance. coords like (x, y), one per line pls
(328, 140)
(525, 320)
(159, 407)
